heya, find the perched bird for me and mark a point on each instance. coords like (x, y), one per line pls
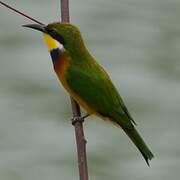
(86, 81)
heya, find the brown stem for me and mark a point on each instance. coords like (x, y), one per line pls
(19, 12)
(80, 142)
(65, 11)
(78, 125)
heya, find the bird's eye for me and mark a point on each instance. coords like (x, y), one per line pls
(56, 36)
(59, 38)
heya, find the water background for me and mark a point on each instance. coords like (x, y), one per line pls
(138, 43)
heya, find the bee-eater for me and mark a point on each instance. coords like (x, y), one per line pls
(86, 81)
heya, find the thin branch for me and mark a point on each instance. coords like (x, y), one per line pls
(19, 12)
(78, 125)
(65, 11)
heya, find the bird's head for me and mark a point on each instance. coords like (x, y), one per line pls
(56, 34)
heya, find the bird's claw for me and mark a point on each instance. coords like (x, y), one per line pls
(77, 119)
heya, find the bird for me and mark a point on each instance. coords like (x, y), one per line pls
(86, 80)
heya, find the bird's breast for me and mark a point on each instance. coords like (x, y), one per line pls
(60, 63)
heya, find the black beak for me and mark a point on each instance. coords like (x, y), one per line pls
(38, 27)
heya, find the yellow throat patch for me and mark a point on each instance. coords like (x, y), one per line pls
(50, 42)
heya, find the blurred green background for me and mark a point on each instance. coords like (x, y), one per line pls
(138, 43)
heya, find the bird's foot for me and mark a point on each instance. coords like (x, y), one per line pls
(79, 119)
(85, 116)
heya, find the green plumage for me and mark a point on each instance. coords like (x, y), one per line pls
(88, 80)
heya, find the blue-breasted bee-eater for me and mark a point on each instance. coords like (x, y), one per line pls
(86, 81)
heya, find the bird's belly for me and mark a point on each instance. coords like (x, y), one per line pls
(75, 96)
(60, 68)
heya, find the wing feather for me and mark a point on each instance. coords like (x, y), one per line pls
(95, 87)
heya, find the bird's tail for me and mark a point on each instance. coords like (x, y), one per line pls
(140, 144)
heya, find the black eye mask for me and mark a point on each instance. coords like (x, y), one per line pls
(56, 36)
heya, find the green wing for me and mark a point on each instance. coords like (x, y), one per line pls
(94, 86)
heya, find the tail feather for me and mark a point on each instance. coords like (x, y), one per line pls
(139, 143)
